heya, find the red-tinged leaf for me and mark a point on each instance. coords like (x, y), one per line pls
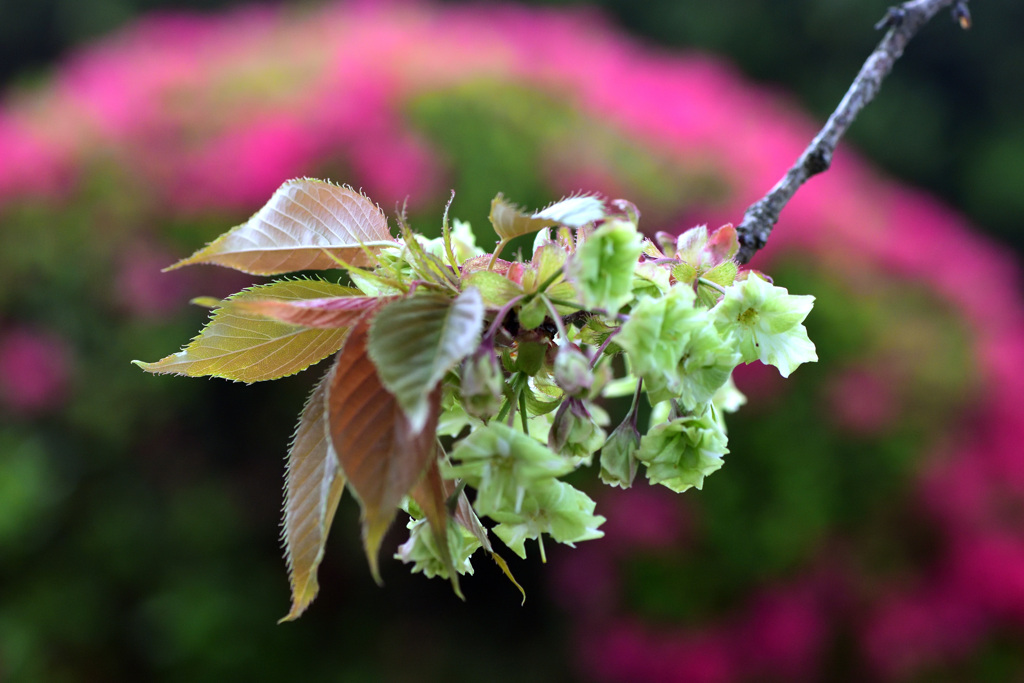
(477, 263)
(313, 488)
(326, 313)
(723, 245)
(381, 456)
(246, 347)
(304, 222)
(515, 272)
(431, 495)
(496, 290)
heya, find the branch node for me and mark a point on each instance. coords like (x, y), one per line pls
(818, 161)
(961, 14)
(903, 22)
(894, 16)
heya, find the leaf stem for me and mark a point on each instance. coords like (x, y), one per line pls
(603, 346)
(636, 403)
(500, 317)
(522, 412)
(446, 234)
(551, 280)
(497, 250)
(559, 325)
(712, 285)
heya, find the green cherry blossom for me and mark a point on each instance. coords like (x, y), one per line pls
(681, 452)
(551, 507)
(422, 552)
(604, 264)
(502, 463)
(767, 322)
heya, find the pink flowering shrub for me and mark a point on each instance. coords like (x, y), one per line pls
(867, 524)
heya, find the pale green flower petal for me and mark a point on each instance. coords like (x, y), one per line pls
(766, 321)
(679, 454)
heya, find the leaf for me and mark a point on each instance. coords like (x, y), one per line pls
(431, 494)
(496, 290)
(510, 221)
(415, 341)
(314, 485)
(574, 212)
(380, 454)
(303, 219)
(325, 313)
(248, 347)
(466, 516)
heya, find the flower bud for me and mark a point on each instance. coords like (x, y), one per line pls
(618, 455)
(572, 371)
(483, 383)
(574, 432)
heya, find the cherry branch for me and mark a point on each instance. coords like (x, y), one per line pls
(903, 22)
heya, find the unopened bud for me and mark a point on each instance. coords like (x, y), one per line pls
(574, 432)
(618, 455)
(572, 371)
(483, 383)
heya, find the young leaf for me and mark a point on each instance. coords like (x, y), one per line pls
(381, 455)
(303, 219)
(431, 494)
(496, 290)
(510, 221)
(247, 347)
(415, 341)
(325, 313)
(314, 485)
(574, 212)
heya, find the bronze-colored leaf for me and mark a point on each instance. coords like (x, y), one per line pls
(381, 456)
(326, 313)
(304, 222)
(313, 488)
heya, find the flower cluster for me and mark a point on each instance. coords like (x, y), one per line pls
(517, 351)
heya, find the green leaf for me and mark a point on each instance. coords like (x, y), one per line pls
(303, 219)
(510, 221)
(313, 487)
(618, 455)
(496, 290)
(533, 313)
(574, 212)
(415, 341)
(723, 274)
(547, 260)
(603, 265)
(247, 347)
(379, 452)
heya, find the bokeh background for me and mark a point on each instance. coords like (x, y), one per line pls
(869, 523)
